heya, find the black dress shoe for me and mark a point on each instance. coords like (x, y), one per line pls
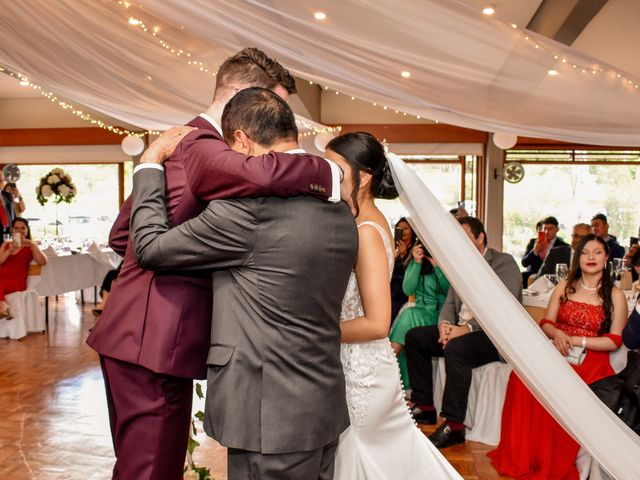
(427, 418)
(444, 436)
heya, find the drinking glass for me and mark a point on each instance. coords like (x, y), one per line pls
(6, 237)
(618, 267)
(562, 271)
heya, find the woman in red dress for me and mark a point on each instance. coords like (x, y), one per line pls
(585, 310)
(15, 258)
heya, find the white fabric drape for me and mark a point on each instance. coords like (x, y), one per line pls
(521, 342)
(466, 69)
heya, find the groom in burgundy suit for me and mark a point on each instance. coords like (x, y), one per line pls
(153, 335)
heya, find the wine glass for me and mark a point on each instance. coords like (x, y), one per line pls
(562, 271)
(618, 267)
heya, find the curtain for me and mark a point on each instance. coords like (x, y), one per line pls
(466, 69)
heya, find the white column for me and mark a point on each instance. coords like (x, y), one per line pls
(494, 194)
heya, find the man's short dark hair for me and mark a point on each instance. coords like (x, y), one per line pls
(252, 66)
(261, 114)
(600, 216)
(550, 221)
(475, 226)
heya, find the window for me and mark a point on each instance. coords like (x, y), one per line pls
(91, 213)
(573, 186)
(450, 178)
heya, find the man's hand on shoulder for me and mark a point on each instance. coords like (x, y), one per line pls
(163, 146)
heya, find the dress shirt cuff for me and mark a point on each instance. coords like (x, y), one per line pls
(335, 182)
(142, 166)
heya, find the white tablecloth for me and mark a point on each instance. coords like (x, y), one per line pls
(68, 273)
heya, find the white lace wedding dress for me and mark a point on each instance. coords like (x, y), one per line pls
(383, 442)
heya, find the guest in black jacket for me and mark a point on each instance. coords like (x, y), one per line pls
(535, 257)
(601, 229)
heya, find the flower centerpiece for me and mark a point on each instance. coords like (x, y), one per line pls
(57, 184)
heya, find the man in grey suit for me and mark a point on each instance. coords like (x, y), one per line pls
(275, 386)
(460, 340)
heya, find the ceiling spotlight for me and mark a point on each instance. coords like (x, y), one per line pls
(405, 74)
(134, 21)
(489, 10)
(553, 73)
(24, 83)
(320, 16)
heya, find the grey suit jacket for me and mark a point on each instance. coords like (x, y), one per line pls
(507, 270)
(275, 382)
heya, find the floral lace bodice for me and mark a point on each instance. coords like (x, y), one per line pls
(580, 319)
(360, 360)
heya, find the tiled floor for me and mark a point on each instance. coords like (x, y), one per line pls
(54, 423)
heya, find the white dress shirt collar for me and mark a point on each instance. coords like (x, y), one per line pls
(213, 123)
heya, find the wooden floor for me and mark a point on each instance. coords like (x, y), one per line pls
(54, 421)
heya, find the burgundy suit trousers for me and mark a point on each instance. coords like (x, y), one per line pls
(150, 417)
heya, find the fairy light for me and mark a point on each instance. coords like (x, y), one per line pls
(564, 60)
(191, 60)
(72, 109)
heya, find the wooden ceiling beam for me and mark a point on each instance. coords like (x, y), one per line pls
(34, 137)
(419, 133)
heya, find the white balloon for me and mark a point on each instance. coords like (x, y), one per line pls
(321, 140)
(505, 140)
(132, 145)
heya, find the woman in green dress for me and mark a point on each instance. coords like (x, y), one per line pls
(424, 279)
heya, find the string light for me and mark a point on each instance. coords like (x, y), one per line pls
(202, 66)
(558, 56)
(70, 108)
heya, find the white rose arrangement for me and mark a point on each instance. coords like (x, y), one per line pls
(57, 184)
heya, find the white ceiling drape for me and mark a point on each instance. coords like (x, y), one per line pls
(466, 69)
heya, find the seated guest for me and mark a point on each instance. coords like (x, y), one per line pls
(533, 259)
(460, 340)
(564, 253)
(527, 273)
(404, 247)
(427, 282)
(587, 311)
(105, 288)
(601, 229)
(15, 257)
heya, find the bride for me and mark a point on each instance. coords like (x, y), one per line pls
(383, 441)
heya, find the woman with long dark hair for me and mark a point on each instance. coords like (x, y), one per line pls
(424, 279)
(382, 441)
(404, 249)
(15, 257)
(585, 312)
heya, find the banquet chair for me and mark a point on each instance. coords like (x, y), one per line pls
(486, 398)
(26, 311)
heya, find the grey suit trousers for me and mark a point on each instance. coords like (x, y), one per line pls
(314, 465)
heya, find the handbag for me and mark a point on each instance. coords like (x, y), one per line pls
(576, 355)
(621, 392)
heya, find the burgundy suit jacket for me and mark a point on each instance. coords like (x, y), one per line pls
(161, 321)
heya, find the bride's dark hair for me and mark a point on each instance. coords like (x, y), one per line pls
(363, 152)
